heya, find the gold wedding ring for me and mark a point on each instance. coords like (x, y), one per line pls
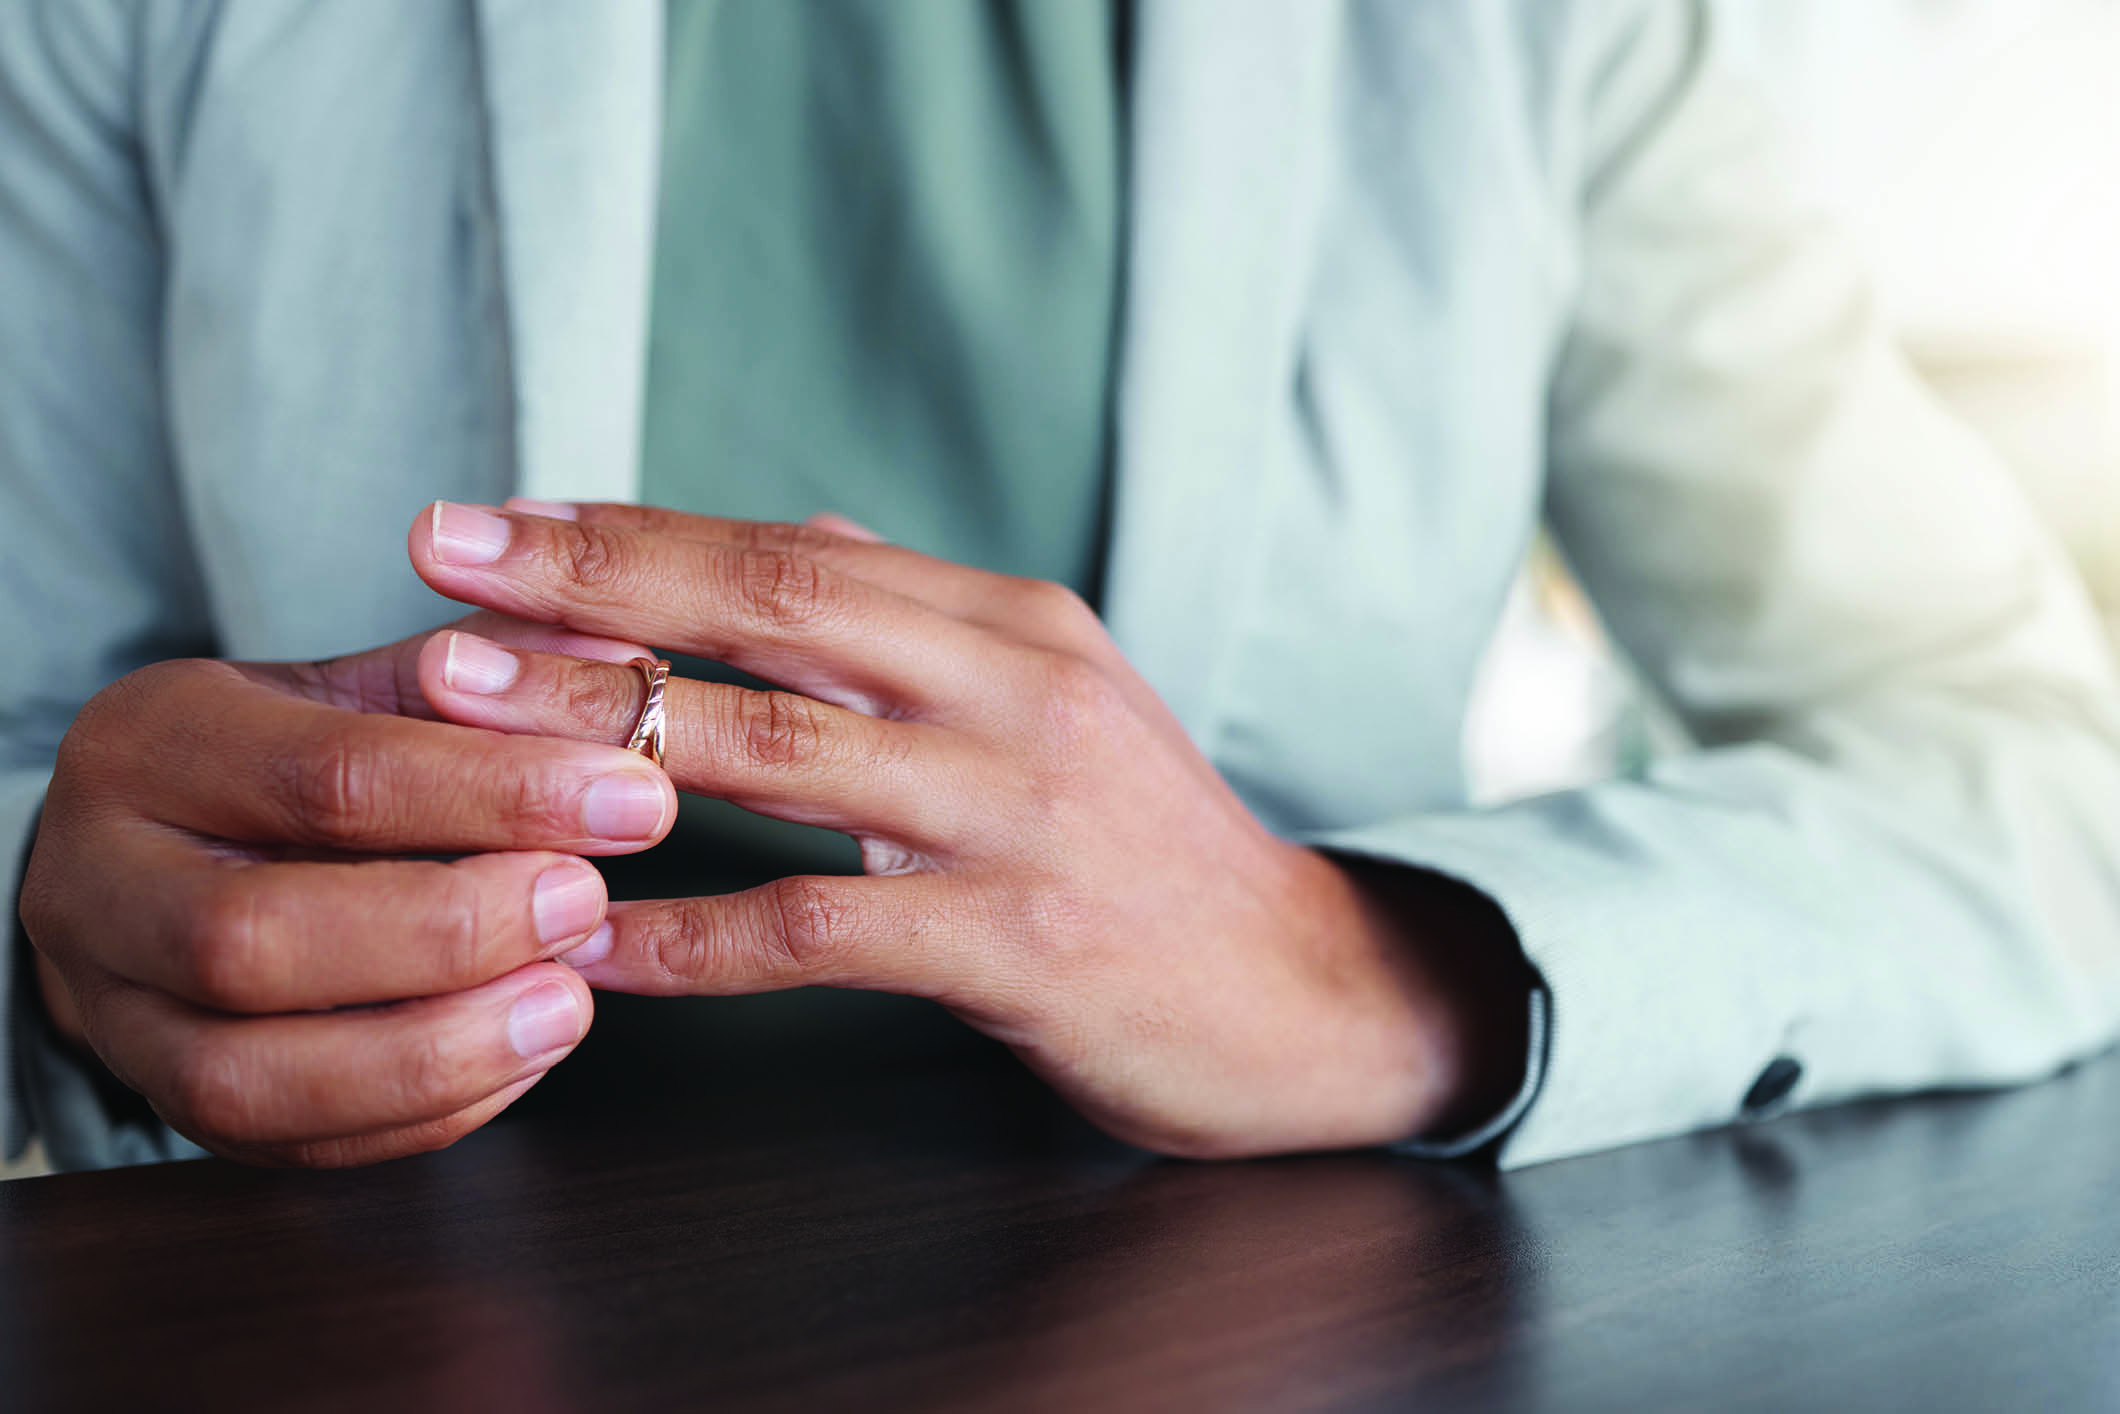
(647, 736)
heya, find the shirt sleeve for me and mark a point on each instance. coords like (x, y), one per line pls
(1891, 863)
(96, 570)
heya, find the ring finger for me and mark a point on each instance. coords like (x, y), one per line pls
(777, 753)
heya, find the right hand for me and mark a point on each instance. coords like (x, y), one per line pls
(220, 883)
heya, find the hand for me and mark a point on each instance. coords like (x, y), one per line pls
(220, 910)
(1047, 854)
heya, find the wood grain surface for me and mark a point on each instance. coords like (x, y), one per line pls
(929, 1229)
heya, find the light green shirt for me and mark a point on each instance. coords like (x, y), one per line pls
(886, 284)
(1399, 278)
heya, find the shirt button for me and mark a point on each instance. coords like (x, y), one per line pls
(1774, 1084)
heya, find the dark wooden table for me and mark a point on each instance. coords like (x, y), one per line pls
(933, 1231)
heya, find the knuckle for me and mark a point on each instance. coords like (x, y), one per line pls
(223, 942)
(681, 947)
(591, 554)
(429, 1075)
(810, 921)
(456, 927)
(786, 538)
(212, 1095)
(782, 587)
(1076, 703)
(86, 750)
(80, 751)
(1060, 611)
(603, 698)
(331, 790)
(138, 727)
(527, 800)
(779, 729)
(1067, 929)
(124, 698)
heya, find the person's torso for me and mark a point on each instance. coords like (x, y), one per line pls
(1347, 254)
(885, 284)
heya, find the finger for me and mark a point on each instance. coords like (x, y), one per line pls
(401, 1141)
(776, 753)
(386, 679)
(250, 937)
(406, 1140)
(779, 614)
(1036, 611)
(236, 1084)
(234, 759)
(901, 934)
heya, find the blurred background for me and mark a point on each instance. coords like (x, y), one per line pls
(1973, 149)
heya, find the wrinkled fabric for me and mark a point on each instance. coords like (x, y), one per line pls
(1401, 282)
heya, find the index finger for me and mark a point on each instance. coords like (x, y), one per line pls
(1034, 610)
(777, 613)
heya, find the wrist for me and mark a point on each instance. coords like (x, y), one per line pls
(1461, 987)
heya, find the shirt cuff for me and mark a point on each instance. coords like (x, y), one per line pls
(1474, 1140)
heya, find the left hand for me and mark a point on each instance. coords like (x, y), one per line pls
(1046, 852)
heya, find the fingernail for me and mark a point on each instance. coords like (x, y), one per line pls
(466, 535)
(627, 807)
(544, 1019)
(566, 902)
(476, 666)
(551, 510)
(591, 952)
